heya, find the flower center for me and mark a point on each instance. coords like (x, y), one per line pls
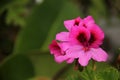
(85, 48)
(76, 22)
(84, 26)
(92, 39)
(82, 38)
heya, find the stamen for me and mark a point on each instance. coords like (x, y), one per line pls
(85, 49)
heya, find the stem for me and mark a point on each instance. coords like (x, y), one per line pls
(77, 66)
(93, 68)
(93, 65)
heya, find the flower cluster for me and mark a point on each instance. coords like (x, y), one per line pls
(81, 42)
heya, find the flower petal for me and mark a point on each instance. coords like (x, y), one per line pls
(62, 36)
(84, 58)
(99, 54)
(64, 45)
(98, 34)
(70, 23)
(74, 51)
(89, 20)
(78, 35)
(59, 59)
(70, 60)
(55, 48)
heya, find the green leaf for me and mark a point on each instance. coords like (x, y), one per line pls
(17, 67)
(73, 77)
(40, 78)
(87, 74)
(45, 64)
(68, 11)
(6, 4)
(17, 12)
(38, 25)
(119, 75)
(90, 74)
(109, 74)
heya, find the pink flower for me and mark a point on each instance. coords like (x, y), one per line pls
(58, 50)
(92, 36)
(86, 44)
(79, 22)
(87, 22)
(74, 22)
(82, 42)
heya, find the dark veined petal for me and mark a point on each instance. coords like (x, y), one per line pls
(70, 23)
(55, 48)
(79, 35)
(97, 36)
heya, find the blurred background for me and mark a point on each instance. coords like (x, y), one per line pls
(27, 27)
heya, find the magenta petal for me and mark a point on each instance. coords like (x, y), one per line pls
(99, 54)
(84, 58)
(59, 59)
(62, 36)
(64, 45)
(76, 32)
(68, 24)
(89, 20)
(98, 35)
(74, 51)
(70, 60)
(55, 48)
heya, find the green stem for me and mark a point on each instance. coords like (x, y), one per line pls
(77, 66)
(93, 69)
(93, 65)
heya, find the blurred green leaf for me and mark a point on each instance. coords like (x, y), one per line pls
(98, 9)
(109, 74)
(119, 75)
(6, 4)
(75, 77)
(102, 72)
(39, 78)
(45, 64)
(17, 67)
(68, 11)
(119, 49)
(38, 25)
(90, 74)
(17, 13)
(16, 10)
(87, 74)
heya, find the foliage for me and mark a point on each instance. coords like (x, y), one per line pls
(16, 67)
